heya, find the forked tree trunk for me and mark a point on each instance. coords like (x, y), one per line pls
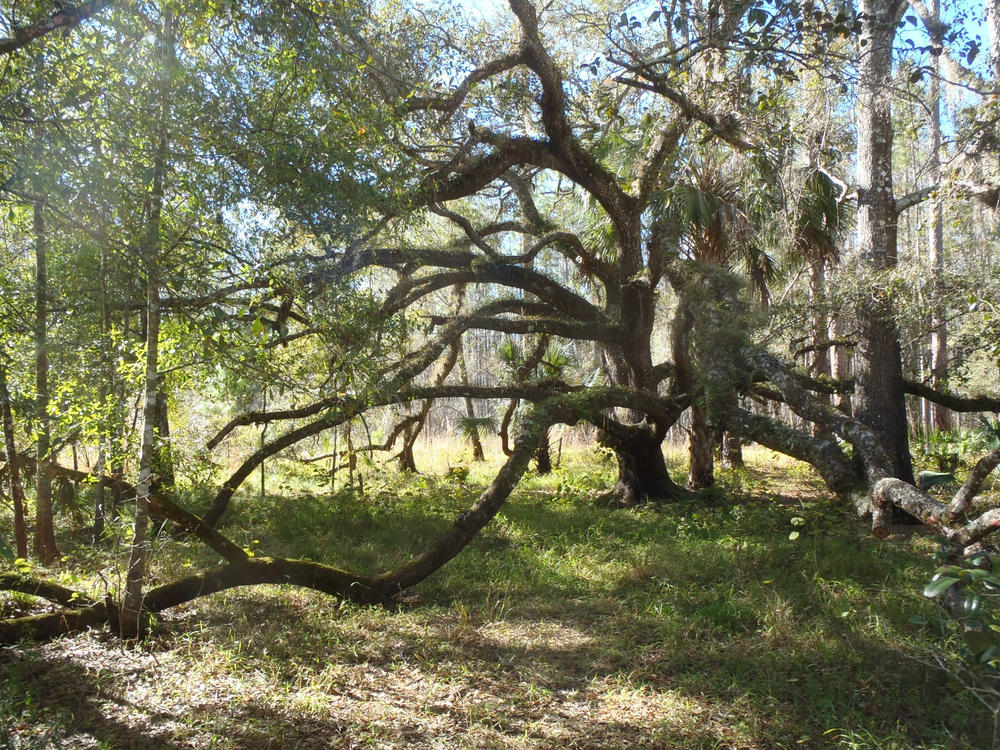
(407, 463)
(45, 540)
(13, 474)
(523, 372)
(642, 470)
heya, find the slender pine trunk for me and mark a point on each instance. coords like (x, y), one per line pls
(13, 474)
(941, 415)
(45, 540)
(139, 550)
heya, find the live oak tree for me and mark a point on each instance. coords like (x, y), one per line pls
(390, 179)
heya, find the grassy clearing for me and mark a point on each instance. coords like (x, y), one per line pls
(563, 625)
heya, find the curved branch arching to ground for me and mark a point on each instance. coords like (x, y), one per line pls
(352, 586)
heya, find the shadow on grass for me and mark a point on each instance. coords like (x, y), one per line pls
(53, 700)
(50, 700)
(562, 625)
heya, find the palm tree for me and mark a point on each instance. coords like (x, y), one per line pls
(821, 218)
(543, 360)
(721, 211)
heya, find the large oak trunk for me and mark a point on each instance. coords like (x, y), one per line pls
(642, 470)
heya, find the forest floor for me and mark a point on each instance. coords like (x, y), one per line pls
(695, 625)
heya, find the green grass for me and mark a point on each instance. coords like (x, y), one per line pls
(697, 625)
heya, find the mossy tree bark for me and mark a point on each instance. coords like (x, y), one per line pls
(701, 451)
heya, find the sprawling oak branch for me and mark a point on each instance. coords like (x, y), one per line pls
(803, 403)
(952, 400)
(573, 160)
(967, 492)
(568, 408)
(162, 505)
(54, 592)
(449, 104)
(822, 454)
(64, 18)
(726, 128)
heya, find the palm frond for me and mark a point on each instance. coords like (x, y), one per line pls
(509, 353)
(473, 427)
(556, 360)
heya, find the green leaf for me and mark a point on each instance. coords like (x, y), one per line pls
(794, 535)
(980, 560)
(948, 570)
(938, 585)
(798, 521)
(974, 574)
(978, 641)
(989, 656)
